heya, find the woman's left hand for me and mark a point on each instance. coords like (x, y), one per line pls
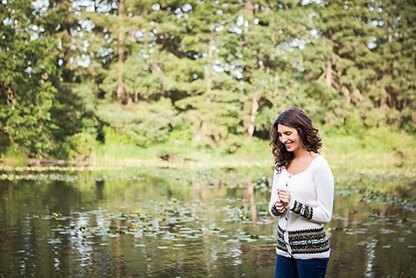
(284, 195)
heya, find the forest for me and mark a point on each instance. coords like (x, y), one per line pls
(77, 75)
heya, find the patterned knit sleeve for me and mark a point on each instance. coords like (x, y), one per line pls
(274, 211)
(324, 186)
(302, 209)
(273, 198)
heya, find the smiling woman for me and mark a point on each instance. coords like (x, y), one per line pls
(293, 127)
(302, 195)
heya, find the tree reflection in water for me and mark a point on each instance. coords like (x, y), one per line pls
(163, 225)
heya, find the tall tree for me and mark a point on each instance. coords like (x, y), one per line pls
(28, 66)
(363, 47)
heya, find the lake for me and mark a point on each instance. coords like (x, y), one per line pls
(160, 222)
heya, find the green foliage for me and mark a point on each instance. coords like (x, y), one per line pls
(27, 86)
(16, 156)
(180, 134)
(380, 149)
(141, 123)
(81, 145)
(112, 137)
(407, 119)
(213, 73)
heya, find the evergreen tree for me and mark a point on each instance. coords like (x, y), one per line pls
(214, 70)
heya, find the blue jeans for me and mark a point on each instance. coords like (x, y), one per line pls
(290, 267)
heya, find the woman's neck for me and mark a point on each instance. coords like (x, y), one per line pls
(301, 153)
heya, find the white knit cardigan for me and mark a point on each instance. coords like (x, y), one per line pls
(312, 196)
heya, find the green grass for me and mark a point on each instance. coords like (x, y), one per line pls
(374, 150)
(378, 150)
(15, 157)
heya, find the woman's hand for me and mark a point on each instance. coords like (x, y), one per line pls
(284, 196)
(280, 206)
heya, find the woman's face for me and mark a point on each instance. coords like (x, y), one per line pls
(289, 137)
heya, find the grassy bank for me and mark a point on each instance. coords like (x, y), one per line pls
(375, 150)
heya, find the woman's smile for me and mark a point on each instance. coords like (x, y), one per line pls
(288, 145)
(289, 137)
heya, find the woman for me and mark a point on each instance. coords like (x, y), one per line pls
(302, 196)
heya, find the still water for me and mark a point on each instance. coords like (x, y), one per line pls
(176, 223)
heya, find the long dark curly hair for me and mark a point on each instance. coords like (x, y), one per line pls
(294, 118)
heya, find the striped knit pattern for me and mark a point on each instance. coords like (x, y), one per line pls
(303, 210)
(304, 241)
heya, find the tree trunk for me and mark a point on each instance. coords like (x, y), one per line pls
(255, 97)
(11, 98)
(329, 73)
(346, 93)
(207, 73)
(383, 93)
(120, 88)
(121, 95)
(254, 109)
(249, 5)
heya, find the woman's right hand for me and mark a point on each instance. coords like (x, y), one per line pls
(284, 196)
(280, 206)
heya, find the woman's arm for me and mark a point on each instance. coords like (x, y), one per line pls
(324, 186)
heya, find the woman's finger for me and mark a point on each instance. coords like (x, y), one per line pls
(280, 206)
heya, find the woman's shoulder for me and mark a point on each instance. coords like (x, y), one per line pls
(321, 162)
(323, 171)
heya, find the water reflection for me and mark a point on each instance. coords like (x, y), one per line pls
(248, 194)
(370, 250)
(178, 225)
(99, 190)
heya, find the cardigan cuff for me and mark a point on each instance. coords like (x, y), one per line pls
(302, 209)
(274, 211)
(291, 204)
